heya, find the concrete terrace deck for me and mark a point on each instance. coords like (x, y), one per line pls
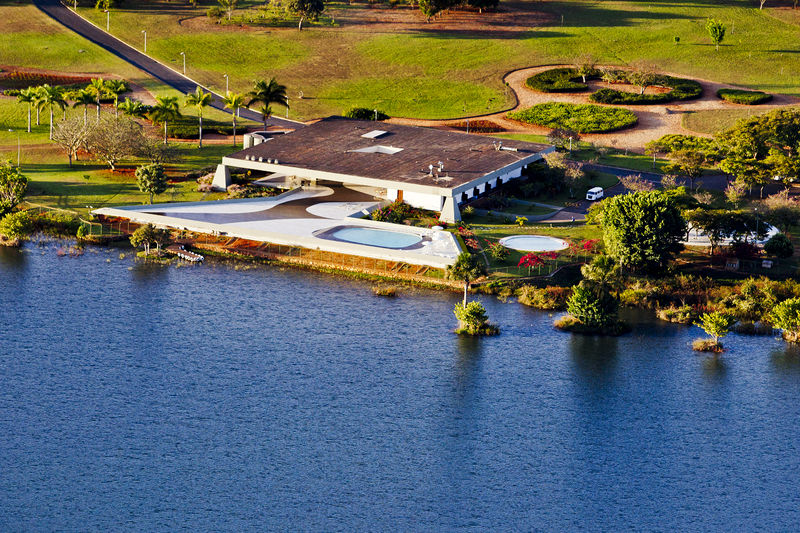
(300, 217)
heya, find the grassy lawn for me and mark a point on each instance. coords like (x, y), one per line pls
(713, 120)
(88, 183)
(445, 74)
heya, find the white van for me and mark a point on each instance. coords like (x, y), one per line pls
(595, 193)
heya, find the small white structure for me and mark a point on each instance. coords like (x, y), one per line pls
(595, 193)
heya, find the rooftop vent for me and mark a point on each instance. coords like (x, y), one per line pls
(378, 149)
(374, 134)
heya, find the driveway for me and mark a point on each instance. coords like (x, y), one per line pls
(56, 10)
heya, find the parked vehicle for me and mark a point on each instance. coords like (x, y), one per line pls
(595, 193)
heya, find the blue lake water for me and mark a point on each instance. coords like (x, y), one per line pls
(210, 398)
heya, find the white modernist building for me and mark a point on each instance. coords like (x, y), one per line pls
(426, 168)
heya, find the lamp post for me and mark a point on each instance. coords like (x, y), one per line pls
(183, 54)
(226, 83)
(18, 146)
(145, 40)
(108, 19)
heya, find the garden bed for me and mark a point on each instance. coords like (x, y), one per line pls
(558, 80)
(679, 89)
(583, 118)
(739, 96)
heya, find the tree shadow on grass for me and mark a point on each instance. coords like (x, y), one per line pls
(579, 14)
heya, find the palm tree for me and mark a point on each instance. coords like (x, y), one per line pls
(38, 101)
(199, 99)
(233, 101)
(116, 88)
(27, 96)
(266, 93)
(602, 275)
(52, 96)
(133, 108)
(85, 98)
(166, 109)
(467, 268)
(98, 89)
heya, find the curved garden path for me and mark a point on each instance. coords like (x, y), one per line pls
(654, 120)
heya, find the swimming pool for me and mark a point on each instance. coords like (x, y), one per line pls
(376, 237)
(534, 243)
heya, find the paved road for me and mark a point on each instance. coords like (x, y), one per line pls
(174, 79)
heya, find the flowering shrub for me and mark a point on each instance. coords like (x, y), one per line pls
(497, 251)
(530, 260)
(396, 212)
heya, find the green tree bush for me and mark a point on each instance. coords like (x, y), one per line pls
(467, 268)
(363, 113)
(779, 245)
(715, 324)
(716, 30)
(15, 227)
(642, 230)
(13, 186)
(151, 179)
(786, 317)
(472, 320)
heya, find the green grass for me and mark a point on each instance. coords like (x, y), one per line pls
(713, 120)
(88, 183)
(339, 62)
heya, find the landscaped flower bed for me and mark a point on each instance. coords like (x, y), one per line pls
(680, 89)
(557, 80)
(20, 80)
(739, 96)
(583, 118)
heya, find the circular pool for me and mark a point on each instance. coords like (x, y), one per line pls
(534, 243)
(376, 237)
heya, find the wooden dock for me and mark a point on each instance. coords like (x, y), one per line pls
(180, 251)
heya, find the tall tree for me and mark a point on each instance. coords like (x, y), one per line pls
(642, 230)
(27, 96)
(116, 88)
(467, 268)
(84, 98)
(267, 93)
(199, 99)
(305, 9)
(229, 6)
(71, 135)
(233, 101)
(98, 89)
(165, 110)
(151, 179)
(52, 97)
(716, 30)
(114, 139)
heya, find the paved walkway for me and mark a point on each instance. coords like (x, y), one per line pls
(56, 10)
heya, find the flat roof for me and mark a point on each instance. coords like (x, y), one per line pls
(403, 153)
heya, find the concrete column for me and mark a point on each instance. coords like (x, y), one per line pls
(450, 212)
(222, 178)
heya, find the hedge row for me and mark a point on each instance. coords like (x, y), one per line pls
(681, 89)
(738, 96)
(363, 113)
(583, 118)
(188, 128)
(557, 80)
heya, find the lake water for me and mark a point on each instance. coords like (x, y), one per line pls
(206, 398)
